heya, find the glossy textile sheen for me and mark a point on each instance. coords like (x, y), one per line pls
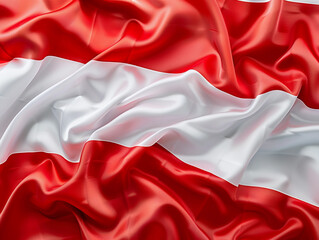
(117, 192)
(241, 48)
(57, 105)
(234, 93)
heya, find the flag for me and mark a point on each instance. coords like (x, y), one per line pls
(159, 119)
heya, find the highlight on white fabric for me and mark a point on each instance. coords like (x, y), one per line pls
(57, 105)
(315, 2)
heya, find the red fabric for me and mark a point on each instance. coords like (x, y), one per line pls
(242, 48)
(117, 192)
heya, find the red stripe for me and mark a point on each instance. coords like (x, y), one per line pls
(117, 192)
(242, 48)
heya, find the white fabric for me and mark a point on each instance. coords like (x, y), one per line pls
(289, 160)
(56, 105)
(255, 1)
(315, 2)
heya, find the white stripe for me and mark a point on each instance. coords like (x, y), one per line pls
(289, 160)
(57, 105)
(315, 2)
(255, 1)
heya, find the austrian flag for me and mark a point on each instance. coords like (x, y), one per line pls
(159, 119)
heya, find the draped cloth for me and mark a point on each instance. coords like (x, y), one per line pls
(159, 119)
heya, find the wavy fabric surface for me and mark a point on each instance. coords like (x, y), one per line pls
(241, 48)
(150, 194)
(133, 106)
(158, 119)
